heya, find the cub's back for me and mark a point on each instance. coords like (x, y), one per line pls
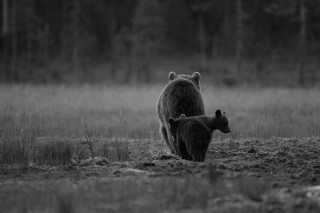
(190, 130)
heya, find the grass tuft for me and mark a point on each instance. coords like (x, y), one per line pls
(17, 144)
(88, 135)
(54, 153)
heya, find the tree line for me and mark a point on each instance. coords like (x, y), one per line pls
(61, 39)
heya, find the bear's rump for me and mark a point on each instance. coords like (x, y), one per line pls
(182, 97)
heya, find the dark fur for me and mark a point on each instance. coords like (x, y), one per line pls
(193, 134)
(180, 96)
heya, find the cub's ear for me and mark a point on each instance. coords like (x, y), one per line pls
(196, 76)
(218, 113)
(172, 75)
(182, 116)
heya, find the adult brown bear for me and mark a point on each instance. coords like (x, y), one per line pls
(180, 96)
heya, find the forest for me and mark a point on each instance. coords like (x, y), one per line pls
(130, 41)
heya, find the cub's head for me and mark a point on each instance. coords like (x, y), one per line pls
(194, 78)
(222, 122)
(174, 123)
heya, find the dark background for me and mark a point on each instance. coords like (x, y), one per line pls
(231, 42)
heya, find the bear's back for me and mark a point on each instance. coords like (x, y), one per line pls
(181, 96)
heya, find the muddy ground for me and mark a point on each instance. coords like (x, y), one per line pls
(247, 175)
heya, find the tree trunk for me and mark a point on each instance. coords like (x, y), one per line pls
(5, 34)
(75, 51)
(29, 55)
(226, 27)
(13, 41)
(5, 28)
(202, 43)
(302, 42)
(46, 37)
(239, 38)
(29, 42)
(226, 18)
(134, 59)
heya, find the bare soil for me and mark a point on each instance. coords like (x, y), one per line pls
(247, 175)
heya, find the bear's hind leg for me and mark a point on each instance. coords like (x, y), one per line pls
(164, 133)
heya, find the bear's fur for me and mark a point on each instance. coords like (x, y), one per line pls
(193, 134)
(180, 96)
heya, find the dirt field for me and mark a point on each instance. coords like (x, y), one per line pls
(246, 171)
(253, 175)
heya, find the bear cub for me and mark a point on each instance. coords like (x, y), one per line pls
(192, 135)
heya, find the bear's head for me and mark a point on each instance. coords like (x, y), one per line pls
(222, 122)
(194, 78)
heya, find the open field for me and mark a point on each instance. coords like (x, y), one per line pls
(97, 149)
(130, 111)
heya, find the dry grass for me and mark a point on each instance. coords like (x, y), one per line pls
(61, 110)
(112, 115)
(269, 112)
(127, 111)
(17, 144)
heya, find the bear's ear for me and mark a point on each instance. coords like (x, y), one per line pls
(182, 116)
(196, 76)
(218, 113)
(172, 75)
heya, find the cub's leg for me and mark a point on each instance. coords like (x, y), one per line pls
(183, 150)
